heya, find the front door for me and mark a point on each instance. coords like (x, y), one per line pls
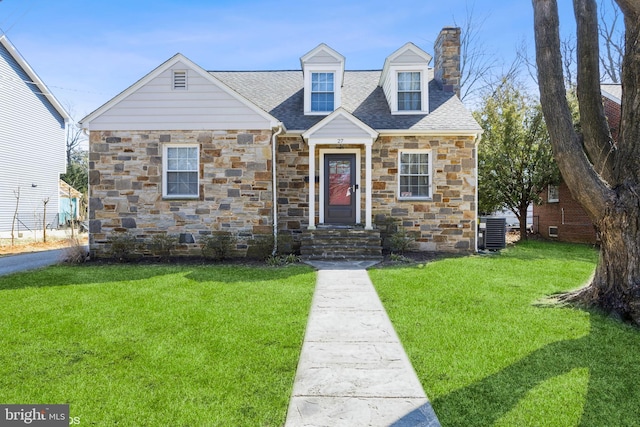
(340, 189)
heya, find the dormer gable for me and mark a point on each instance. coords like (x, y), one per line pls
(323, 71)
(404, 80)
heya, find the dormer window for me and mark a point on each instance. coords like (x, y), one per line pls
(404, 80)
(409, 91)
(323, 71)
(322, 92)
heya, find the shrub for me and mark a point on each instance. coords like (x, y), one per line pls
(162, 244)
(218, 245)
(260, 247)
(400, 242)
(123, 246)
(75, 253)
(286, 244)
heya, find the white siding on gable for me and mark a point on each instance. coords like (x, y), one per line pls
(323, 57)
(158, 106)
(340, 127)
(409, 57)
(32, 147)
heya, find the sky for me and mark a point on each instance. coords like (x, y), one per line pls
(88, 51)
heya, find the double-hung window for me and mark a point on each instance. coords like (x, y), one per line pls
(181, 166)
(409, 91)
(415, 175)
(322, 92)
(553, 195)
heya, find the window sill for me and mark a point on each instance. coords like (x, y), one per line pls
(189, 197)
(415, 199)
(408, 112)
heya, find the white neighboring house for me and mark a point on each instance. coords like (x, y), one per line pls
(512, 222)
(32, 143)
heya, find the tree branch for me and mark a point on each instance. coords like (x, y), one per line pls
(585, 184)
(630, 8)
(628, 162)
(595, 128)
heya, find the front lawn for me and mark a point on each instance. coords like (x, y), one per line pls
(155, 345)
(490, 350)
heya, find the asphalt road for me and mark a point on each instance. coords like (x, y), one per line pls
(30, 261)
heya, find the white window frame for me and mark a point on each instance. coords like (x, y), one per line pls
(174, 74)
(424, 99)
(553, 231)
(165, 171)
(333, 91)
(556, 197)
(407, 197)
(337, 89)
(419, 91)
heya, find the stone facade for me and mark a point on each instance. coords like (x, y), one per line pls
(125, 174)
(235, 189)
(447, 59)
(444, 223)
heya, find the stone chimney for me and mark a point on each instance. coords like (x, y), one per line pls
(447, 59)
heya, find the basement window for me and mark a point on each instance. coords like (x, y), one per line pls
(553, 231)
(179, 79)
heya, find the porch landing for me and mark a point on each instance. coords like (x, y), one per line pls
(340, 242)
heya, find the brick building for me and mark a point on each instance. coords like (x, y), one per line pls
(560, 216)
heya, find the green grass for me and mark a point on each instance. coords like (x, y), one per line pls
(489, 351)
(155, 345)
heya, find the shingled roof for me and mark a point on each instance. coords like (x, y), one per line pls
(280, 93)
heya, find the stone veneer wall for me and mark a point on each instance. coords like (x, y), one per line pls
(445, 223)
(125, 180)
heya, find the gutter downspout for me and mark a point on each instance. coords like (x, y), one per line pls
(274, 184)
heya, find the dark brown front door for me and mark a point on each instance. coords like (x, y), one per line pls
(340, 189)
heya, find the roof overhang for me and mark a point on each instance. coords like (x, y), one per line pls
(85, 122)
(369, 133)
(44, 90)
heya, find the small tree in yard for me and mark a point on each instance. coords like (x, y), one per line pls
(603, 175)
(16, 193)
(44, 219)
(515, 161)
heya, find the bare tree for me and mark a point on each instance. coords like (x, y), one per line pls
(74, 139)
(612, 41)
(75, 136)
(16, 193)
(476, 62)
(44, 219)
(602, 175)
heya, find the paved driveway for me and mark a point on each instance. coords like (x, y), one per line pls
(30, 261)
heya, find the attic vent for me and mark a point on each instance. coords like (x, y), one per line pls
(180, 80)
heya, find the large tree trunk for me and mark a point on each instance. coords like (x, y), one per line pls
(615, 287)
(604, 177)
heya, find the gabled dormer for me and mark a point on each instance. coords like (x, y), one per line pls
(323, 70)
(404, 80)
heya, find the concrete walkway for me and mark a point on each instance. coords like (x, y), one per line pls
(353, 370)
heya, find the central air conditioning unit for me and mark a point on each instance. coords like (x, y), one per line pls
(492, 233)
